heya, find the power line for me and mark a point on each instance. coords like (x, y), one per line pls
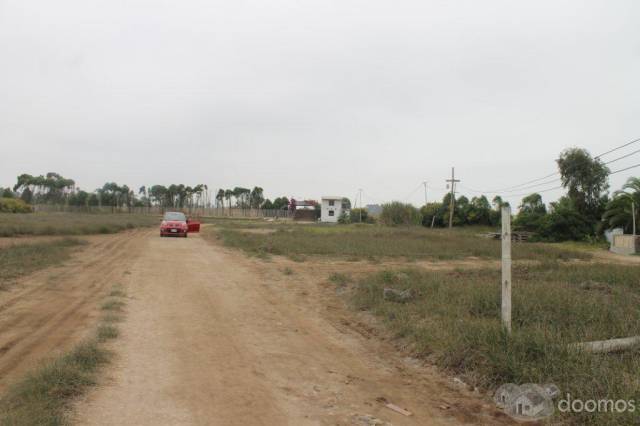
(625, 169)
(617, 148)
(522, 185)
(624, 156)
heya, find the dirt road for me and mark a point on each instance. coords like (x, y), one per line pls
(214, 338)
(51, 310)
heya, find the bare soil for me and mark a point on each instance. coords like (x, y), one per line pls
(212, 337)
(49, 311)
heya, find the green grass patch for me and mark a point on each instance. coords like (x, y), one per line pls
(376, 241)
(43, 396)
(287, 271)
(13, 224)
(113, 305)
(107, 332)
(340, 279)
(454, 319)
(22, 259)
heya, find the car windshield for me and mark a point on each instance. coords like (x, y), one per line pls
(175, 216)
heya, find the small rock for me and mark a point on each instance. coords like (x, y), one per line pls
(399, 296)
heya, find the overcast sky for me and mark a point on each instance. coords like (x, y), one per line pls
(306, 98)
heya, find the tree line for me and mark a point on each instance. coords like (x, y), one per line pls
(53, 188)
(585, 212)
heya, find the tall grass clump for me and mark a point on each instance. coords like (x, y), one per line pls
(454, 320)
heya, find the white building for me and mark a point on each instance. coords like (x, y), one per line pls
(332, 208)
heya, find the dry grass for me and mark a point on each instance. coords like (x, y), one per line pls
(71, 223)
(454, 320)
(22, 259)
(43, 397)
(374, 242)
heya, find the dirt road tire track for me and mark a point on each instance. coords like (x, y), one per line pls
(214, 338)
(49, 311)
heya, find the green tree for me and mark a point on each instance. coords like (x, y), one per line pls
(479, 212)
(618, 211)
(564, 222)
(586, 181)
(220, 197)
(256, 198)
(433, 213)
(531, 212)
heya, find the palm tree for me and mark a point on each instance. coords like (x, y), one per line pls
(618, 212)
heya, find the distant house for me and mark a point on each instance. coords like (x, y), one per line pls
(374, 209)
(305, 211)
(332, 208)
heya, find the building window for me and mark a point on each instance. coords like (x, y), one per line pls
(331, 212)
(331, 203)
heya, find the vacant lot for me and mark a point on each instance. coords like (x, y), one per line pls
(452, 318)
(376, 242)
(15, 224)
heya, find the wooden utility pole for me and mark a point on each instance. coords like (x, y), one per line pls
(360, 191)
(506, 268)
(452, 181)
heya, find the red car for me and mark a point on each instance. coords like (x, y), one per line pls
(174, 224)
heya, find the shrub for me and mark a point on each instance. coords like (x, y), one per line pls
(356, 214)
(14, 205)
(397, 213)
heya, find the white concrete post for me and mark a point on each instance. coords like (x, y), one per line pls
(506, 268)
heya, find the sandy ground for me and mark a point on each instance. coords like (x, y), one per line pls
(52, 309)
(212, 337)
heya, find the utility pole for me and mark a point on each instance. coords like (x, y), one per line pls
(360, 191)
(453, 181)
(425, 192)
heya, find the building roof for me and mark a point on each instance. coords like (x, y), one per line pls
(332, 197)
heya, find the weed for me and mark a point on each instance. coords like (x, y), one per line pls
(112, 305)
(455, 318)
(340, 279)
(107, 332)
(287, 271)
(43, 396)
(117, 292)
(112, 318)
(22, 259)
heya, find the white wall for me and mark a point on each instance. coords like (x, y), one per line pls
(326, 208)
